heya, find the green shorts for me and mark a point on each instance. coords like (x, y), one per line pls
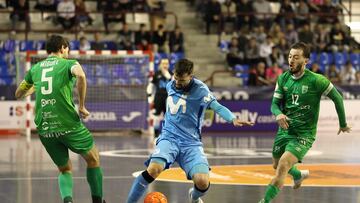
(298, 146)
(57, 144)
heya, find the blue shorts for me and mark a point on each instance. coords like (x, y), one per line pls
(187, 156)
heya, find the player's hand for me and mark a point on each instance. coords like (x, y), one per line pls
(238, 122)
(347, 129)
(83, 112)
(282, 121)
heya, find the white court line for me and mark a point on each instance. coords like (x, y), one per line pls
(55, 178)
(264, 154)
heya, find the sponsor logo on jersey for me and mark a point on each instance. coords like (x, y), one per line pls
(45, 102)
(304, 89)
(131, 117)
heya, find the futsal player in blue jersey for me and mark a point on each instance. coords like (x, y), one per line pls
(180, 139)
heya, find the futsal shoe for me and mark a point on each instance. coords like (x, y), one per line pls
(199, 200)
(304, 175)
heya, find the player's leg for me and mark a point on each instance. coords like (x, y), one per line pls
(60, 155)
(193, 161)
(94, 174)
(164, 154)
(294, 172)
(81, 142)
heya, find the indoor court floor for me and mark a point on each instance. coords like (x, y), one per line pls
(240, 170)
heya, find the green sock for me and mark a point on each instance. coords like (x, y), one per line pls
(271, 192)
(66, 185)
(95, 178)
(296, 174)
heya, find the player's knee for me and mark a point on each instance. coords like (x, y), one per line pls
(275, 165)
(154, 170)
(93, 160)
(284, 164)
(65, 169)
(202, 183)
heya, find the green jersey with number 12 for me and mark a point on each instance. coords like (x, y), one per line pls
(301, 100)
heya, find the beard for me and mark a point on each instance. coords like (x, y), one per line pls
(297, 69)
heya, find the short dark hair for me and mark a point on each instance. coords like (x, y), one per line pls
(55, 43)
(304, 47)
(183, 66)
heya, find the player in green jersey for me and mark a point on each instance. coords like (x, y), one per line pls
(295, 104)
(58, 123)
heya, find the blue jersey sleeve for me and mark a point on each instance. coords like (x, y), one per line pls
(224, 112)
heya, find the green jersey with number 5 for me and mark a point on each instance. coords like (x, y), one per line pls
(300, 98)
(54, 106)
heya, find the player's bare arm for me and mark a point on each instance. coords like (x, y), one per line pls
(24, 89)
(78, 72)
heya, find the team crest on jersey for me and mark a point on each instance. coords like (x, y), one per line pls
(304, 89)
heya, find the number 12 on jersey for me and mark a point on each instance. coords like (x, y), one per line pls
(295, 98)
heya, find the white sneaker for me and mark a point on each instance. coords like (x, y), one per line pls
(304, 175)
(199, 200)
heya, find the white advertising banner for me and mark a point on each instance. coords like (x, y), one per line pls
(328, 119)
(13, 115)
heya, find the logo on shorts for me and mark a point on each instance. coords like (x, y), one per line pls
(298, 149)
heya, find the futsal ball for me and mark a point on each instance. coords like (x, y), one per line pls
(155, 197)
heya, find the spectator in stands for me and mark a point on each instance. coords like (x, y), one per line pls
(321, 38)
(234, 56)
(328, 13)
(46, 5)
(348, 74)
(314, 5)
(10, 46)
(126, 5)
(228, 12)
(276, 33)
(20, 13)
(156, 5)
(264, 16)
(140, 6)
(286, 14)
(277, 57)
(302, 14)
(101, 5)
(244, 10)
(84, 44)
(176, 40)
(113, 13)
(272, 73)
(142, 37)
(126, 38)
(82, 14)
(333, 75)
(357, 78)
(284, 48)
(258, 32)
(97, 44)
(316, 69)
(265, 50)
(212, 13)
(338, 39)
(257, 75)
(252, 52)
(306, 35)
(159, 39)
(66, 14)
(291, 35)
